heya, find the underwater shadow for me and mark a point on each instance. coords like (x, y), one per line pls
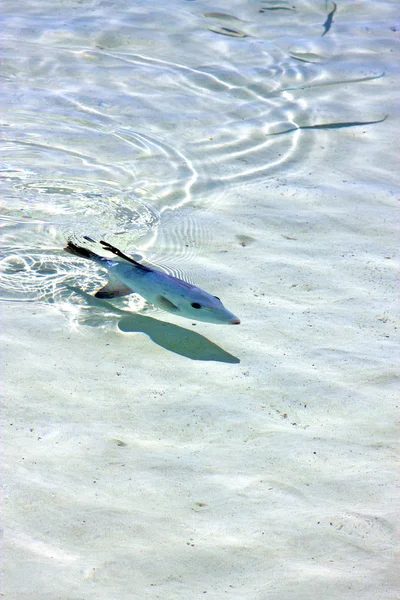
(174, 338)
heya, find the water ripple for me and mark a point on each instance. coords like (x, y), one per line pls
(111, 130)
(37, 212)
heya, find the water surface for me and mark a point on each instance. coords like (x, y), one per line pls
(249, 147)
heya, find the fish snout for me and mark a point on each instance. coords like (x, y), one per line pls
(235, 322)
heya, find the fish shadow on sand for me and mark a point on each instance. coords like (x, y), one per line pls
(176, 339)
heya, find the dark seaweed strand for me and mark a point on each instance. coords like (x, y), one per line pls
(328, 23)
(117, 252)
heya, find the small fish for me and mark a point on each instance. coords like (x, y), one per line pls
(128, 276)
(329, 20)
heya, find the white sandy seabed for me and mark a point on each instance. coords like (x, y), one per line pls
(136, 472)
(251, 462)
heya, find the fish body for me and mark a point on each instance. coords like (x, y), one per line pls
(329, 20)
(128, 276)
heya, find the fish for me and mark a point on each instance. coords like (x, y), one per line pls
(329, 20)
(129, 276)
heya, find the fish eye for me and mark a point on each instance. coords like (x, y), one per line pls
(196, 305)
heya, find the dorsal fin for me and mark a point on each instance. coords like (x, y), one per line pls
(117, 252)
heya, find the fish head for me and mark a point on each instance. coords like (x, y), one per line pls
(191, 302)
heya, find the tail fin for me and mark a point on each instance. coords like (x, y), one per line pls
(116, 255)
(120, 254)
(73, 248)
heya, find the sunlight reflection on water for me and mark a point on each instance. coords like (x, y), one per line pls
(105, 138)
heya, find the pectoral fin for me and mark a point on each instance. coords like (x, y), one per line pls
(114, 288)
(166, 304)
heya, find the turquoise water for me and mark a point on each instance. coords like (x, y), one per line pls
(251, 148)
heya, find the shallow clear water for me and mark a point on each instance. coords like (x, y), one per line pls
(249, 147)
